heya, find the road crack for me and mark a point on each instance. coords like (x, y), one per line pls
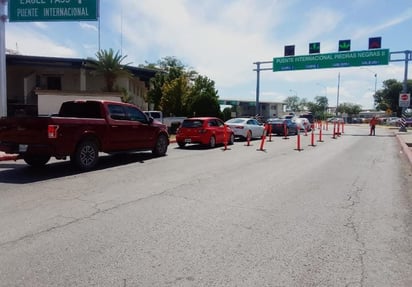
(353, 200)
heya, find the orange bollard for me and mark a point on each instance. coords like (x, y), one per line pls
(270, 132)
(298, 142)
(343, 127)
(263, 139)
(338, 129)
(285, 132)
(320, 136)
(225, 136)
(334, 130)
(312, 138)
(248, 138)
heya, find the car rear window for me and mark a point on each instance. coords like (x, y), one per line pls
(308, 117)
(236, 121)
(192, 124)
(80, 110)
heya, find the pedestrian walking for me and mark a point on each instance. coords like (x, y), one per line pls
(372, 125)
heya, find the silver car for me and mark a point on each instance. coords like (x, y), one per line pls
(246, 128)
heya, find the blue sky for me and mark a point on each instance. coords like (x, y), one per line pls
(222, 40)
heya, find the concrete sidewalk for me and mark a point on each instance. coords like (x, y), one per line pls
(405, 141)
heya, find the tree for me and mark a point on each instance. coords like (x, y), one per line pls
(388, 97)
(349, 108)
(109, 64)
(181, 91)
(319, 107)
(292, 104)
(322, 102)
(173, 93)
(202, 100)
(170, 69)
(227, 113)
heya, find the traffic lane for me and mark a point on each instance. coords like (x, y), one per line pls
(201, 223)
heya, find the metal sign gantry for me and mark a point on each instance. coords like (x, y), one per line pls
(398, 56)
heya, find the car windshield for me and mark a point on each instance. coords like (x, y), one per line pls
(192, 124)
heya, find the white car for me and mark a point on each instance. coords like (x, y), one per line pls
(303, 124)
(246, 128)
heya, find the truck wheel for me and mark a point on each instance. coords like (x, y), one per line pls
(86, 155)
(36, 160)
(160, 148)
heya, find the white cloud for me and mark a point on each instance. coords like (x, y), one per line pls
(30, 42)
(87, 26)
(222, 40)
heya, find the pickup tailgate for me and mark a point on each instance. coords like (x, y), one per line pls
(24, 129)
(19, 132)
(54, 136)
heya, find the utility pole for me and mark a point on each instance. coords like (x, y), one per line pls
(258, 69)
(3, 72)
(337, 95)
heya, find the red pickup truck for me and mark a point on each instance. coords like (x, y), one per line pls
(81, 130)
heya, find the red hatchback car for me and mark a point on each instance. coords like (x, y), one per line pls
(208, 131)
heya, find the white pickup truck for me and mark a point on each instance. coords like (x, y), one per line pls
(172, 123)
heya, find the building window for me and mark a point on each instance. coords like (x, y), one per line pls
(54, 83)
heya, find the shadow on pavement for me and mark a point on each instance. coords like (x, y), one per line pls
(21, 173)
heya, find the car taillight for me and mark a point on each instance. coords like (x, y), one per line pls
(239, 127)
(202, 131)
(52, 131)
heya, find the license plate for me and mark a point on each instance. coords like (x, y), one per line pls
(188, 140)
(23, 147)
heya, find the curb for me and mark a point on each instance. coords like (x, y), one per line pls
(4, 156)
(405, 148)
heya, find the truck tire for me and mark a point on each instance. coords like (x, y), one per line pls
(86, 155)
(36, 160)
(160, 148)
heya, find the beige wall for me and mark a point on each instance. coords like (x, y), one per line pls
(49, 102)
(28, 85)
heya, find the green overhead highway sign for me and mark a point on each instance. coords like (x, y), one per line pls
(344, 45)
(332, 60)
(314, 48)
(53, 10)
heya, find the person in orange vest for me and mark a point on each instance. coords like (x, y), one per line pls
(372, 125)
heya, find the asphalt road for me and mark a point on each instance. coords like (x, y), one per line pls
(334, 214)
